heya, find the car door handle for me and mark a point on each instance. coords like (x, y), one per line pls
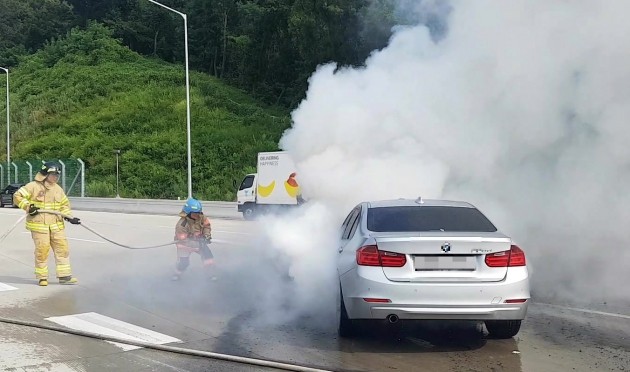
(340, 249)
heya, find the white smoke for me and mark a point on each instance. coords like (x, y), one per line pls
(519, 107)
(304, 245)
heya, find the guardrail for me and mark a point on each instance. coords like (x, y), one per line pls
(152, 206)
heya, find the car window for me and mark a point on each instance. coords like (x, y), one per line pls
(9, 190)
(351, 222)
(345, 222)
(247, 183)
(355, 224)
(427, 218)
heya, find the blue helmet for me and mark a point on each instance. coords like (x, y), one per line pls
(192, 206)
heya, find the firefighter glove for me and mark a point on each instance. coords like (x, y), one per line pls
(73, 220)
(32, 210)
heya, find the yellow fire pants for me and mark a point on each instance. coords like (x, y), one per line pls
(56, 240)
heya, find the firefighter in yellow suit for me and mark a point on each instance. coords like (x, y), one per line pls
(47, 229)
(193, 233)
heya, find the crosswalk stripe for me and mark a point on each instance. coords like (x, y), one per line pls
(77, 239)
(103, 325)
(6, 287)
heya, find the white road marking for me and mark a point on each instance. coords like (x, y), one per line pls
(614, 315)
(220, 241)
(230, 232)
(87, 240)
(172, 227)
(81, 240)
(6, 287)
(103, 325)
(17, 214)
(213, 230)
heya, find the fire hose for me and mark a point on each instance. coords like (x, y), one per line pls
(171, 349)
(4, 236)
(57, 213)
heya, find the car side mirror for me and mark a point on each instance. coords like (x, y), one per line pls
(234, 184)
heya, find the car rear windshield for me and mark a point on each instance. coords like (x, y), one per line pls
(427, 218)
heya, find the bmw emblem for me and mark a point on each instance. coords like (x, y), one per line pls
(446, 247)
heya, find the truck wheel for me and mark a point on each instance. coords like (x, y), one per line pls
(249, 213)
(503, 328)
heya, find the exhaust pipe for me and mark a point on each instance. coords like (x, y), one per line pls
(392, 318)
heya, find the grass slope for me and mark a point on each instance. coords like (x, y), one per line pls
(85, 95)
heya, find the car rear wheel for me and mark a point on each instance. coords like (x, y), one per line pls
(503, 328)
(346, 327)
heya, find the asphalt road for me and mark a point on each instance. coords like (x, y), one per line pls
(250, 310)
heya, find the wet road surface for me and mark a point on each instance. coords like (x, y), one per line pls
(240, 313)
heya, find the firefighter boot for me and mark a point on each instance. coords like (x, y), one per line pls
(68, 280)
(43, 282)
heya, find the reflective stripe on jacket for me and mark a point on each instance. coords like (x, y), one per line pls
(187, 228)
(43, 195)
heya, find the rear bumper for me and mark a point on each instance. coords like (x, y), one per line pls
(454, 301)
(501, 312)
(7, 200)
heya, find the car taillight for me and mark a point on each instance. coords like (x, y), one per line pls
(370, 255)
(514, 257)
(391, 259)
(517, 256)
(499, 259)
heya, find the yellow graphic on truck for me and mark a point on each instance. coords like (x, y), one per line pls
(265, 191)
(292, 187)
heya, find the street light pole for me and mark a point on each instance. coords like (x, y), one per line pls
(117, 152)
(187, 92)
(6, 70)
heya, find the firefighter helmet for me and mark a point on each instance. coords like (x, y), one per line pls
(192, 206)
(50, 167)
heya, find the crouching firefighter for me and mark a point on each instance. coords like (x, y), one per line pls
(193, 233)
(47, 230)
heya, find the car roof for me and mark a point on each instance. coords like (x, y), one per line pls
(418, 202)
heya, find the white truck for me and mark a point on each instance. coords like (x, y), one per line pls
(273, 187)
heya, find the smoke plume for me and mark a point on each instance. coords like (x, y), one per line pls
(518, 107)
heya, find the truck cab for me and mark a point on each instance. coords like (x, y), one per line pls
(246, 196)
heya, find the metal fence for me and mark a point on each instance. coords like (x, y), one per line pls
(72, 178)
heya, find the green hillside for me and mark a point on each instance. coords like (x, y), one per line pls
(85, 95)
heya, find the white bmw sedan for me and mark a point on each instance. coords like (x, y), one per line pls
(429, 259)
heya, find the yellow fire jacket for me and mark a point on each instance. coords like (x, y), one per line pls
(43, 195)
(187, 228)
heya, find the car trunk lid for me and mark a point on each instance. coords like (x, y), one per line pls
(444, 256)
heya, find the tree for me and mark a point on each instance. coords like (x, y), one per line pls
(26, 25)
(267, 47)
